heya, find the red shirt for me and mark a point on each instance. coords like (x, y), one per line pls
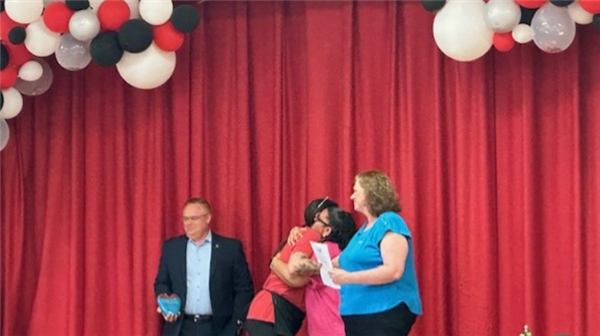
(261, 308)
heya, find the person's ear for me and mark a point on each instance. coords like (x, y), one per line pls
(327, 231)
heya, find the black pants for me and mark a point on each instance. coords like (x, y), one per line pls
(190, 328)
(288, 320)
(260, 328)
(394, 322)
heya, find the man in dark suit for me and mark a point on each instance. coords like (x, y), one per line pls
(210, 275)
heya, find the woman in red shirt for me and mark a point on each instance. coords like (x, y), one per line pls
(278, 309)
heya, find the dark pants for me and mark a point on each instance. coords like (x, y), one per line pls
(394, 322)
(260, 328)
(191, 328)
(288, 320)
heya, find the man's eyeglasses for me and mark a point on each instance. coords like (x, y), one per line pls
(193, 218)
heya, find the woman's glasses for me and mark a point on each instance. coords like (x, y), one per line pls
(317, 219)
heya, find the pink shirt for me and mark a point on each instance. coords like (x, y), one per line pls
(323, 304)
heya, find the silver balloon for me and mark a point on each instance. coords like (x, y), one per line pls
(4, 134)
(73, 54)
(502, 16)
(39, 86)
(84, 25)
(554, 29)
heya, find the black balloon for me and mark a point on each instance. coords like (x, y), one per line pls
(105, 49)
(1, 6)
(4, 59)
(185, 18)
(135, 35)
(596, 21)
(561, 3)
(1, 100)
(77, 5)
(433, 5)
(16, 35)
(527, 15)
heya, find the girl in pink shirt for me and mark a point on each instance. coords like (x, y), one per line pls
(322, 302)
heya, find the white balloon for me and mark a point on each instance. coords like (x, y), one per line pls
(13, 103)
(522, 33)
(37, 87)
(134, 8)
(580, 15)
(156, 12)
(553, 27)
(502, 16)
(31, 71)
(40, 41)
(24, 11)
(460, 30)
(95, 4)
(4, 134)
(84, 25)
(149, 69)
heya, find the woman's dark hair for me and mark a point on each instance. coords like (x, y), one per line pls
(310, 213)
(342, 226)
(314, 207)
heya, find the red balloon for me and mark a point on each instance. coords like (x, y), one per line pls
(56, 17)
(167, 37)
(6, 24)
(112, 14)
(590, 6)
(532, 4)
(8, 77)
(18, 54)
(504, 42)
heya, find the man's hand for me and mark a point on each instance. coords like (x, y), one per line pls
(169, 317)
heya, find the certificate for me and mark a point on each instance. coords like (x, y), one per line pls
(322, 254)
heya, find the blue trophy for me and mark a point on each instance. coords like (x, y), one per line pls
(169, 304)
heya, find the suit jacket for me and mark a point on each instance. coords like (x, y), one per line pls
(230, 284)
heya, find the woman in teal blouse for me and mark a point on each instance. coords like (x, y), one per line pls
(380, 294)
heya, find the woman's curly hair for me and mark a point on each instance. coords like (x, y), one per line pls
(379, 192)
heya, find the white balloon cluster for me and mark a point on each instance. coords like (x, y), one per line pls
(72, 31)
(465, 30)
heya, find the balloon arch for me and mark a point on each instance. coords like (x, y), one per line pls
(465, 30)
(139, 37)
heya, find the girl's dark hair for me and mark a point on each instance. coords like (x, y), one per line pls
(314, 207)
(310, 212)
(342, 226)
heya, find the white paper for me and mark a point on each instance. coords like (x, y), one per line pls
(322, 254)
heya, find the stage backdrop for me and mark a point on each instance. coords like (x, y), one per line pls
(497, 163)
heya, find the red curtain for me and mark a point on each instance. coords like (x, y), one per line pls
(497, 163)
